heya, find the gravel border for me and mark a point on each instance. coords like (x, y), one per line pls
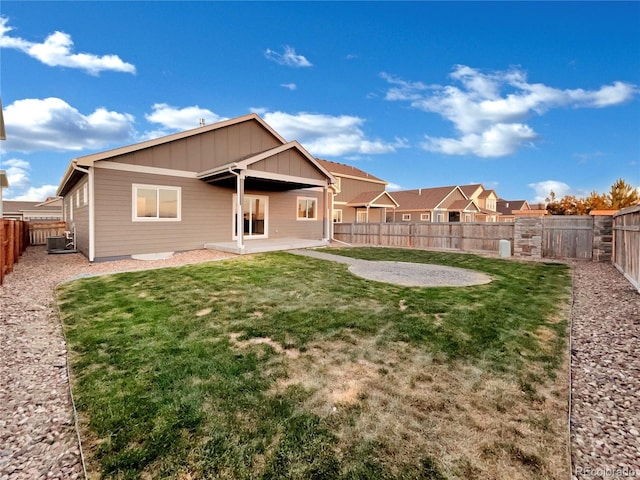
(605, 369)
(405, 273)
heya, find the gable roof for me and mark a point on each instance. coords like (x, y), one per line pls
(470, 189)
(373, 199)
(464, 206)
(244, 164)
(343, 170)
(424, 198)
(89, 160)
(506, 207)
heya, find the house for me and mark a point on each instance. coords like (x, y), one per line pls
(223, 186)
(359, 197)
(439, 204)
(49, 210)
(486, 201)
(508, 209)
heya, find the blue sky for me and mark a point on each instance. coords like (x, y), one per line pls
(522, 97)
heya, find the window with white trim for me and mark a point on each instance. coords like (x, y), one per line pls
(425, 217)
(337, 216)
(85, 194)
(77, 198)
(307, 208)
(156, 203)
(406, 217)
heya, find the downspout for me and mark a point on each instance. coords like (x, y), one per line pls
(92, 213)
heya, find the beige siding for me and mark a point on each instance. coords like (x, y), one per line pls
(80, 216)
(206, 212)
(207, 150)
(351, 188)
(206, 215)
(283, 222)
(455, 195)
(376, 215)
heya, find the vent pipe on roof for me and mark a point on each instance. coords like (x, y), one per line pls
(202, 122)
(419, 191)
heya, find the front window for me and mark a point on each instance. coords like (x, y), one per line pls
(307, 208)
(406, 217)
(156, 203)
(337, 216)
(424, 217)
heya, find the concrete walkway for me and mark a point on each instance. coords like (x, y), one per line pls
(404, 273)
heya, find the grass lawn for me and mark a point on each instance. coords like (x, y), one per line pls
(280, 366)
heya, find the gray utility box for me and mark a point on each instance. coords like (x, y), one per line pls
(505, 248)
(56, 242)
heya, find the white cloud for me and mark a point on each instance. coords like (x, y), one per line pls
(543, 189)
(290, 86)
(175, 119)
(394, 187)
(52, 124)
(327, 135)
(498, 141)
(489, 109)
(288, 58)
(57, 51)
(20, 187)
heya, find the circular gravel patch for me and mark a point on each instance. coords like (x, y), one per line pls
(405, 273)
(418, 274)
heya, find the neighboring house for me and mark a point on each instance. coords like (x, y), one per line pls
(439, 204)
(222, 185)
(508, 209)
(51, 209)
(359, 197)
(485, 199)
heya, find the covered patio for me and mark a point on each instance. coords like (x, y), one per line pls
(266, 245)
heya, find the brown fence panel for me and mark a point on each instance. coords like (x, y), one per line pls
(626, 243)
(567, 237)
(39, 231)
(12, 245)
(465, 237)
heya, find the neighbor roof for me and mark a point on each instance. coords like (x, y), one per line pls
(506, 207)
(373, 199)
(340, 169)
(423, 198)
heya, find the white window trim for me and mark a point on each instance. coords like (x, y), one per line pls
(134, 203)
(425, 217)
(85, 193)
(315, 210)
(406, 217)
(339, 216)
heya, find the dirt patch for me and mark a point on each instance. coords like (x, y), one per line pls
(477, 425)
(289, 352)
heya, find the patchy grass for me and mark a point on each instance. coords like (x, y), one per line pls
(278, 366)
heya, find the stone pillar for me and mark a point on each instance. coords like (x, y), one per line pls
(527, 241)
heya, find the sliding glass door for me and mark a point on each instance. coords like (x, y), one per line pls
(254, 212)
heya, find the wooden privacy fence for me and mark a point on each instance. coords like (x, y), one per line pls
(626, 243)
(567, 237)
(465, 237)
(587, 238)
(13, 242)
(39, 231)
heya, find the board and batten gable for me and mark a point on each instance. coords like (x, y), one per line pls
(290, 162)
(207, 150)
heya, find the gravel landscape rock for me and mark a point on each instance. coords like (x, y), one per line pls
(38, 439)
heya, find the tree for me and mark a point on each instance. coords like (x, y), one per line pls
(623, 195)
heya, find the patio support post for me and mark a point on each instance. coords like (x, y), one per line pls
(328, 221)
(239, 212)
